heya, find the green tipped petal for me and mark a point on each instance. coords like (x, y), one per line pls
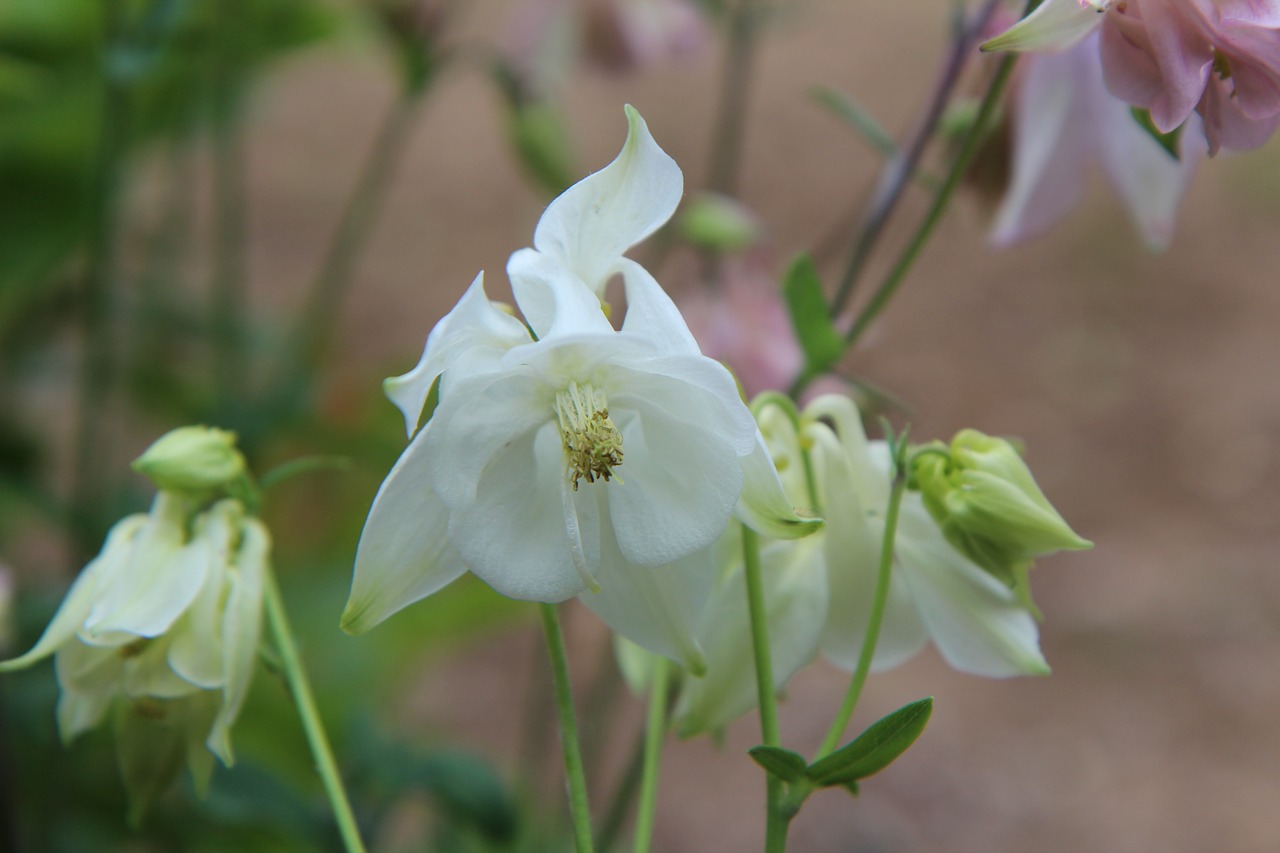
(1056, 25)
(83, 594)
(764, 506)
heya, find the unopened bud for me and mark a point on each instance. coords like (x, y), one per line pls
(989, 507)
(717, 222)
(192, 459)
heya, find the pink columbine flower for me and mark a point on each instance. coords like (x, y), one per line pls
(1217, 58)
(1065, 122)
(547, 38)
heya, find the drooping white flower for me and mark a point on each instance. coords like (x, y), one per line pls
(568, 457)
(978, 624)
(794, 580)
(164, 622)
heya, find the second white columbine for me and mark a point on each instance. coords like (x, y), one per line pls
(568, 457)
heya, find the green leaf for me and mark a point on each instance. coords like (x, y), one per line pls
(851, 112)
(1167, 141)
(875, 749)
(810, 317)
(783, 763)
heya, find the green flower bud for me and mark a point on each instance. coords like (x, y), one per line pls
(719, 223)
(192, 459)
(986, 502)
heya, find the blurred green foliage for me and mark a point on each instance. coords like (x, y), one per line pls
(92, 95)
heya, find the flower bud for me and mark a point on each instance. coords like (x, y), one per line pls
(719, 223)
(988, 505)
(192, 459)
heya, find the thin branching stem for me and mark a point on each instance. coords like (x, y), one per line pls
(312, 725)
(655, 730)
(900, 171)
(776, 819)
(579, 808)
(879, 600)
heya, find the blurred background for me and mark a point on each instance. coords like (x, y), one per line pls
(249, 213)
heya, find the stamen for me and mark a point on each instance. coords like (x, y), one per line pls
(592, 443)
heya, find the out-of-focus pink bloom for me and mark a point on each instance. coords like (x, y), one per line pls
(1065, 122)
(548, 37)
(1219, 58)
(745, 325)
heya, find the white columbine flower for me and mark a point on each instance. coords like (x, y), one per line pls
(164, 623)
(569, 458)
(979, 624)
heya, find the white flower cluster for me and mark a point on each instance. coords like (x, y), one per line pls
(564, 457)
(163, 625)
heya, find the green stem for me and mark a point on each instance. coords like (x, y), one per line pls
(655, 729)
(300, 687)
(777, 819)
(878, 602)
(726, 145)
(959, 167)
(901, 169)
(579, 810)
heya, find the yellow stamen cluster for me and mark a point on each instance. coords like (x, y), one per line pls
(592, 443)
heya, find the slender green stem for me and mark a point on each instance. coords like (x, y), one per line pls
(726, 145)
(959, 167)
(654, 731)
(776, 819)
(579, 810)
(901, 169)
(300, 687)
(878, 602)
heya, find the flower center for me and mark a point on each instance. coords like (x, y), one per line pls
(592, 443)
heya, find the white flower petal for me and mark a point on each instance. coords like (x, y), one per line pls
(404, 553)
(795, 594)
(977, 623)
(1055, 25)
(654, 606)
(80, 599)
(195, 651)
(160, 580)
(675, 490)
(763, 505)
(696, 390)
(474, 334)
(552, 297)
(595, 221)
(148, 674)
(79, 712)
(86, 669)
(651, 315)
(853, 539)
(513, 534)
(478, 422)
(241, 630)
